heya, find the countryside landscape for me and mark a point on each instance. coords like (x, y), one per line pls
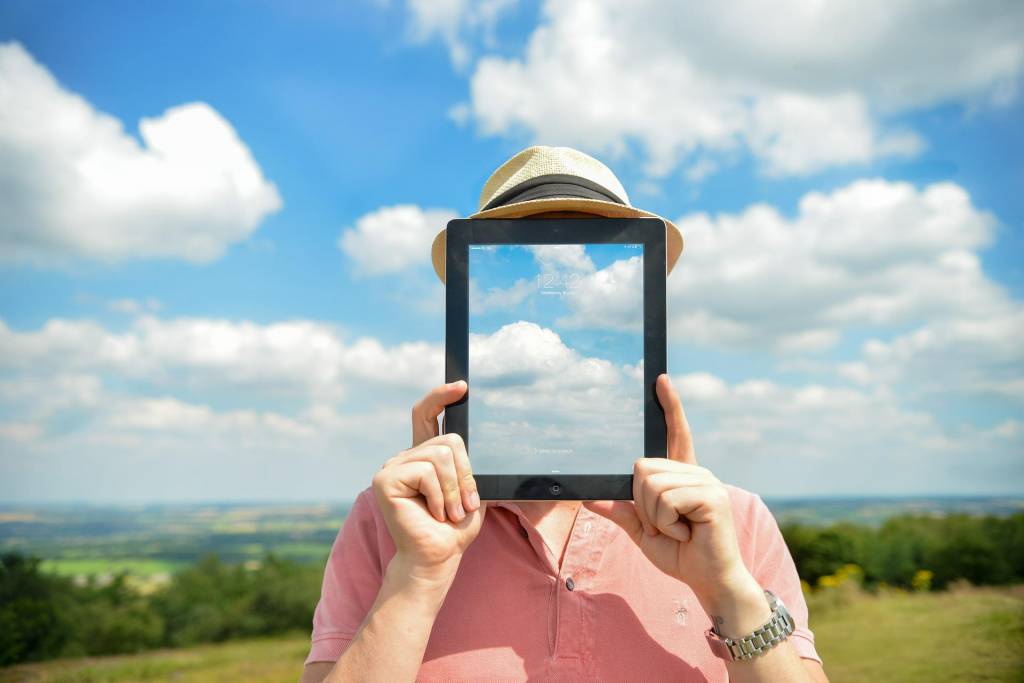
(226, 592)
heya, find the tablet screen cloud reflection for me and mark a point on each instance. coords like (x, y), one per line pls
(555, 358)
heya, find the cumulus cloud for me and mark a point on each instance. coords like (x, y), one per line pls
(393, 238)
(801, 87)
(76, 185)
(195, 394)
(814, 439)
(535, 401)
(523, 353)
(309, 361)
(977, 356)
(610, 298)
(870, 254)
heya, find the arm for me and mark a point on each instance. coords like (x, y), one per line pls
(681, 519)
(389, 645)
(739, 609)
(426, 497)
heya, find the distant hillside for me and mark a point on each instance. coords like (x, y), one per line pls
(875, 510)
(153, 540)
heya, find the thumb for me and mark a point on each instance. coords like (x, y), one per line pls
(622, 512)
(680, 440)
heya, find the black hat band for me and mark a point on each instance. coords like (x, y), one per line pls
(550, 186)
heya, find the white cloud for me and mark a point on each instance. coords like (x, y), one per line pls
(497, 298)
(561, 257)
(870, 254)
(818, 440)
(610, 298)
(251, 406)
(521, 353)
(530, 391)
(803, 86)
(308, 361)
(76, 185)
(977, 356)
(454, 21)
(134, 306)
(393, 238)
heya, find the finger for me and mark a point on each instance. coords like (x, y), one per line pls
(419, 478)
(426, 410)
(622, 512)
(439, 452)
(658, 483)
(667, 517)
(652, 475)
(680, 441)
(464, 472)
(698, 504)
(639, 474)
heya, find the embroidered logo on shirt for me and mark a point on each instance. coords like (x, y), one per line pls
(681, 612)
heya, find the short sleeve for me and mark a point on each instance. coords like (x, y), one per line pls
(774, 569)
(352, 579)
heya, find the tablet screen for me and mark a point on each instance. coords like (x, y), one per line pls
(556, 348)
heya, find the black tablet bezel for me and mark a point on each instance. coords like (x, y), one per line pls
(647, 231)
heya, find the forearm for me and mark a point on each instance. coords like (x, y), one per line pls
(389, 645)
(739, 609)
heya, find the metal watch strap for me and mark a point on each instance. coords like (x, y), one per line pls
(760, 641)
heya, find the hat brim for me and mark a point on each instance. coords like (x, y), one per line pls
(673, 238)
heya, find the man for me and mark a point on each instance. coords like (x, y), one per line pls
(426, 581)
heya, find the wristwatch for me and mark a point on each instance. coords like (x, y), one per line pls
(760, 640)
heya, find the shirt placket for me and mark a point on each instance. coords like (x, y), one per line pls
(573, 582)
(570, 603)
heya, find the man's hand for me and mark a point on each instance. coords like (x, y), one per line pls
(681, 515)
(427, 493)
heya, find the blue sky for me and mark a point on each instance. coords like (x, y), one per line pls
(239, 304)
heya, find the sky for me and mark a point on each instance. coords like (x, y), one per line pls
(216, 218)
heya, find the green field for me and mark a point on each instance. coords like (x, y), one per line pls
(99, 566)
(975, 634)
(967, 635)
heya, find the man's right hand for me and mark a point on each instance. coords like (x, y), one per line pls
(427, 493)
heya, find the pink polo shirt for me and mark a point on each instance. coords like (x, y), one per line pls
(510, 614)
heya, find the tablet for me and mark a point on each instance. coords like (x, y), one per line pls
(558, 327)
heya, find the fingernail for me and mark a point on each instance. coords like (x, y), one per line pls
(459, 512)
(474, 500)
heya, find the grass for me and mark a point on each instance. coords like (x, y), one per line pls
(99, 566)
(973, 634)
(264, 660)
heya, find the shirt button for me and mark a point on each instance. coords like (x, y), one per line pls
(569, 583)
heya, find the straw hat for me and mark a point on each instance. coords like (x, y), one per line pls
(541, 179)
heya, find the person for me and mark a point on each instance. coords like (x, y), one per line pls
(426, 582)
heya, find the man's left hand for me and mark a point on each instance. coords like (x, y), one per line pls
(681, 514)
